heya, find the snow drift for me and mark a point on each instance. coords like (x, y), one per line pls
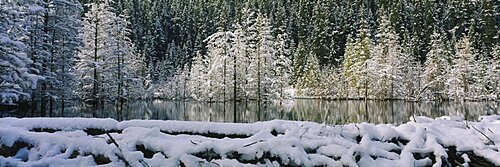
(106, 142)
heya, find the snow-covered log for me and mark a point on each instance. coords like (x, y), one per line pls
(83, 142)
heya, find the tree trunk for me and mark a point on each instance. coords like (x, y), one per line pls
(44, 91)
(366, 81)
(281, 85)
(224, 82)
(62, 106)
(247, 63)
(234, 88)
(96, 78)
(52, 69)
(234, 78)
(258, 80)
(184, 87)
(43, 101)
(33, 104)
(63, 79)
(120, 79)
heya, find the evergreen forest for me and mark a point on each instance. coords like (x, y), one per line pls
(98, 51)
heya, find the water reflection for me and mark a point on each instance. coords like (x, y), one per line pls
(321, 111)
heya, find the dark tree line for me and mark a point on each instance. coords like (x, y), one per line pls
(173, 30)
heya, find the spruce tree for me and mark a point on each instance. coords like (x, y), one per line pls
(355, 65)
(435, 70)
(17, 77)
(460, 76)
(386, 64)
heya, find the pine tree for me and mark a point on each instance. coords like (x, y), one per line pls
(249, 27)
(355, 64)
(198, 78)
(386, 66)
(480, 85)
(298, 63)
(107, 58)
(17, 78)
(312, 71)
(238, 65)
(435, 70)
(412, 70)
(119, 67)
(37, 25)
(140, 84)
(263, 63)
(461, 73)
(64, 25)
(218, 53)
(282, 67)
(494, 73)
(321, 32)
(93, 52)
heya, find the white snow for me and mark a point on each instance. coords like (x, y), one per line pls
(60, 123)
(424, 142)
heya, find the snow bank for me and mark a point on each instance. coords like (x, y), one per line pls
(60, 123)
(424, 142)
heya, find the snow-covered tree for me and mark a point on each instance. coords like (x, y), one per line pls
(198, 75)
(309, 83)
(249, 40)
(97, 21)
(238, 68)
(35, 15)
(163, 72)
(138, 83)
(219, 53)
(435, 70)
(17, 78)
(331, 83)
(355, 64)
(460, 76)
(282, 66)
(175, 86)
(106, 67)
(119, 71)
(385, 66)
(65, 40)
(261, 67)
(311, 76)
(494, 73)
(412, 70)
(298, 62)
(480, 86)
(49, 30)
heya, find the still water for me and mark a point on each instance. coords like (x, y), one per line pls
(321, 111)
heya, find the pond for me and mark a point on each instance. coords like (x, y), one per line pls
(321, 111)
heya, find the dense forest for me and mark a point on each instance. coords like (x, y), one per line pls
(52, 51)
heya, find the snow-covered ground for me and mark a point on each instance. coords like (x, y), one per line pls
(87, 142)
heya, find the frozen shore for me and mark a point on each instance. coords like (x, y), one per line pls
(107, 142)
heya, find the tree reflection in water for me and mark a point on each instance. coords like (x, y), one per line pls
(321, 111)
